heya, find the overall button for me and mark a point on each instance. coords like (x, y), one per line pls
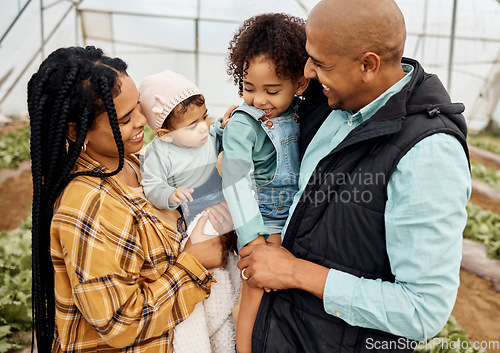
(349, 123)
(270, 124)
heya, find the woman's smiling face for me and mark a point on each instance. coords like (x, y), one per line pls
(100, 141)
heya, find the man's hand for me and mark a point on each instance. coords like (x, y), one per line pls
(227, 115)
(180, 195)
(272, 267)
(267, 266)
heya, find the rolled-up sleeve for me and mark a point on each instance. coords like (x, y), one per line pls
(154, 176)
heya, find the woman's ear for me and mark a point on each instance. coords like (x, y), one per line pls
(72, 132)
(302, 84)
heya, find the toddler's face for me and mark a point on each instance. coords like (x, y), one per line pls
(191, 128)
(263, 89)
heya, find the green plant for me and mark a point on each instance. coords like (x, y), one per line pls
(484, 226)
(480, 142)
(488, 175)
(15, 148)
(449, 340)
(149, 135)
(15, 285)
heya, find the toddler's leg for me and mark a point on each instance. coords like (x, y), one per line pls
(249, 305)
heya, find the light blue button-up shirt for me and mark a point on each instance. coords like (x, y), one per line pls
(424, 218)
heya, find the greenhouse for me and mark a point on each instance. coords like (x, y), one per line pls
(458, 40)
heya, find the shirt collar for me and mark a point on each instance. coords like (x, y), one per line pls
(368, 110)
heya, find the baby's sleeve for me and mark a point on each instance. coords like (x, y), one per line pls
(155, 171)
(217, 132)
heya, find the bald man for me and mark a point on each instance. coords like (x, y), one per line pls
(371, 254)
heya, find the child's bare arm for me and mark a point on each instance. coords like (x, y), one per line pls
(250, 302)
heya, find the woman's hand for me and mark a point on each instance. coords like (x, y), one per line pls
(220, 217)
(211, 253)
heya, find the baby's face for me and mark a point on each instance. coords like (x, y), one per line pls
(191, 128)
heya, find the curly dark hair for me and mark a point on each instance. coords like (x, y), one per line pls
(278, 36)
(71, 85)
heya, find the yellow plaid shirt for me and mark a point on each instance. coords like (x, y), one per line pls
(121, 284)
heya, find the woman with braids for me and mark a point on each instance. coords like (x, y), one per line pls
(107, 272)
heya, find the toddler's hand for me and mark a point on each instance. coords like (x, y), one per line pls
(227, 115)
(180, 195)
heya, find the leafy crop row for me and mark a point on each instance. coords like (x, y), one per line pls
(449, 340)
(15, 284)
(480, 142)
(488, 175)
(484, 226)
(15, 148)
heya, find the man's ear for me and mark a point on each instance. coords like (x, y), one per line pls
(302, 84)
(370, 65)
(164, 134)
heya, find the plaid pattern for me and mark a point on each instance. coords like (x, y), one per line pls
(121, 284)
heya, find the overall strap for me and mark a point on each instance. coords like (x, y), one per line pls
(255, 113)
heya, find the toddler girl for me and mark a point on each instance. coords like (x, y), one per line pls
(179, 168)
(260, 164)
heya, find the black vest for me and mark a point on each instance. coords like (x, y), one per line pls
(339, 221)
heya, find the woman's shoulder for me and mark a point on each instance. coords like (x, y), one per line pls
(80, 191)
(95, 197)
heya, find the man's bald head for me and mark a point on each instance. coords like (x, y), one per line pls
(353, 27)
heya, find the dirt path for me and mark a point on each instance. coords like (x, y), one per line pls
(15, 200)
(477, 309)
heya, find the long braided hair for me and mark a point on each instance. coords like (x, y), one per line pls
(72, 85)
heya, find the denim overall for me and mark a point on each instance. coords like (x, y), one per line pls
(276, 196)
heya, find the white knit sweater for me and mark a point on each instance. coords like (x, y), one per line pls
(210, 328)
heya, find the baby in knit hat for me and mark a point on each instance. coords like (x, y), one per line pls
(179, 169)
(179, 165)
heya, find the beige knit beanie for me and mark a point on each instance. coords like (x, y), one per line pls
(161, 93)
